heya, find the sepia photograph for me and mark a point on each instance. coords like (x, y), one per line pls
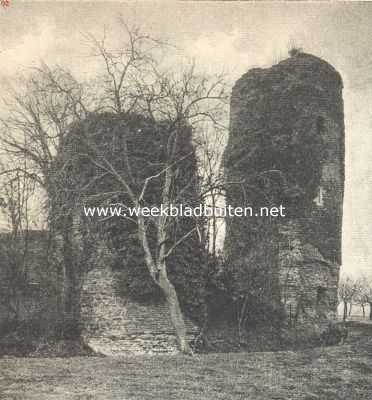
(185, 200)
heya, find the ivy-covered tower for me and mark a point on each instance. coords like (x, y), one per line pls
(120, 301)
(286, 147)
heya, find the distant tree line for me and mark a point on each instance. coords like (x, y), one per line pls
(355, 291)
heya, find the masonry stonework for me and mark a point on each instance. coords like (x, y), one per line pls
(113, 324)
(286, 146)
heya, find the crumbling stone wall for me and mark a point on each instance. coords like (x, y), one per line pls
(122, 310)
(114, 324)
(286, 146)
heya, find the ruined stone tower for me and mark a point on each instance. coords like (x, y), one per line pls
(286, 146)
(121, 309)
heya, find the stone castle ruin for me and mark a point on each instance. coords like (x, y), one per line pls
(114, 324)
(122, 310)
(286, 146)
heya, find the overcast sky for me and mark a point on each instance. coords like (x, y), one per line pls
(232, 37)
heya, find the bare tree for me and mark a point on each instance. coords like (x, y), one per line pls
(14, 205)
(132, 59)
(39, 117)
(347, 290)
(36, 117)
(210, 144)
(364, 295)
(175, 103)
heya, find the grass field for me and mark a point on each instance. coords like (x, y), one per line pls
(341, 372)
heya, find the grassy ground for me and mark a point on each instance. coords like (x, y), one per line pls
(341, 372)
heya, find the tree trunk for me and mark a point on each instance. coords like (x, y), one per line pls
(71, 281)
(60, 300)
(159, 274)
(370, 311)
(351, 306)
(175, 311)
(214, 229)
(345, 311)
(363, 310)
